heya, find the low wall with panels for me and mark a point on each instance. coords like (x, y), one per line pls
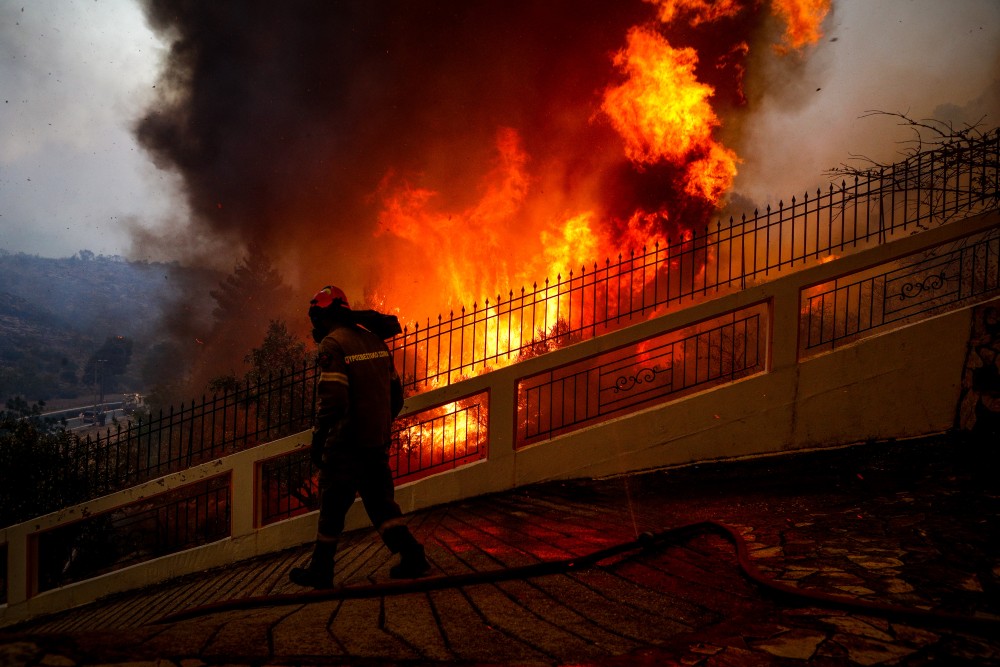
(763, 371)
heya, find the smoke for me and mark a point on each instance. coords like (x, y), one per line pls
(290, 122)
(809, 113)
(298, 125)
(285, 118)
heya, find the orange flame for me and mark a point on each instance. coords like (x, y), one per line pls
(467, 247)
(513, 233)
(802, 22)
(699, 11)
(663, 113)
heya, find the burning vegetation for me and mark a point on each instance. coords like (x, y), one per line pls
(432, 156)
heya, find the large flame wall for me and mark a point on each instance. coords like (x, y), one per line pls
(424, 158)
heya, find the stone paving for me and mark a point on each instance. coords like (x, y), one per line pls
(911, 524)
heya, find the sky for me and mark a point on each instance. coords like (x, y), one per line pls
(76, 75)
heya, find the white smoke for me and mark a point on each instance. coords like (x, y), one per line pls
(73, 77)
(922, 58)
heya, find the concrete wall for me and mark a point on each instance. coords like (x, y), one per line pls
(894, 384)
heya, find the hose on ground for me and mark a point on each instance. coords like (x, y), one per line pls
(647, 541)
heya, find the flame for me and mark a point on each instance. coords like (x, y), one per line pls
(512, 233)
(802, 22)
(439, 437)
(662, 111)
(467, 245)
(564, 247)
(710, 177)
(700, 11)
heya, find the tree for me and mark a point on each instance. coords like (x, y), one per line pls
(252, 293)
(246, 301)
(35, 464)
(109, 361)
(967, 178)
(279, 352)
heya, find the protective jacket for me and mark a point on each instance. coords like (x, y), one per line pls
(359, 391)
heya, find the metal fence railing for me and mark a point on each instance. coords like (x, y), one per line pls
(660, 368)
(177, 439)
(177, 520)
(425, 442)
(930, 188)
(939, 279)
(927, 189)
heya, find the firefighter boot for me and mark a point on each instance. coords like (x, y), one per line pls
(412, 562)
(319, 574)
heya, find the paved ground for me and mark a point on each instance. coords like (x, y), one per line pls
(911, 524)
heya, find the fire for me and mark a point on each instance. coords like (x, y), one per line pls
(563, 247)
(662, 111)
(802, 21)
(700, 11)
(524, 225)
(511, 235)
(710, 177)
(467, 245)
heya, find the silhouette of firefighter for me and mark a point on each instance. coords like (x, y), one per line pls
(359, 395)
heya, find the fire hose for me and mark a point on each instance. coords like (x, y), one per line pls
(647, 541)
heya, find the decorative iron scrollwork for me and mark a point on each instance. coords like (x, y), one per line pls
(627, 383)
(931, 282)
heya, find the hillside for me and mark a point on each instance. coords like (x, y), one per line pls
(55, 314)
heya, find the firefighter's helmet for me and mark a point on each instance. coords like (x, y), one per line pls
(328, 297)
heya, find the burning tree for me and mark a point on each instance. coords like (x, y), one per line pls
(449, 151)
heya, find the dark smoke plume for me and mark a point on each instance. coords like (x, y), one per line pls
(284, 118)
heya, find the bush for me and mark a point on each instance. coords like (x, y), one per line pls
(34, 464)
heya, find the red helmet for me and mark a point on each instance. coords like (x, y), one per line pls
(329, 296)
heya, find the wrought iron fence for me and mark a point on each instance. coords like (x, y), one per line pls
(930, 188)
(941, 279)
(177, 439)
(440, 438)
(430, 441)
(288, 487)
(190, 516)
(657, 369)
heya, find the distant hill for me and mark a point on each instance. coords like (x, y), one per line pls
(56, 313)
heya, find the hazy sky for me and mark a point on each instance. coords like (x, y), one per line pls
(75, 74)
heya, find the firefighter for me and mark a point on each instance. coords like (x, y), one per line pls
(359, 395)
